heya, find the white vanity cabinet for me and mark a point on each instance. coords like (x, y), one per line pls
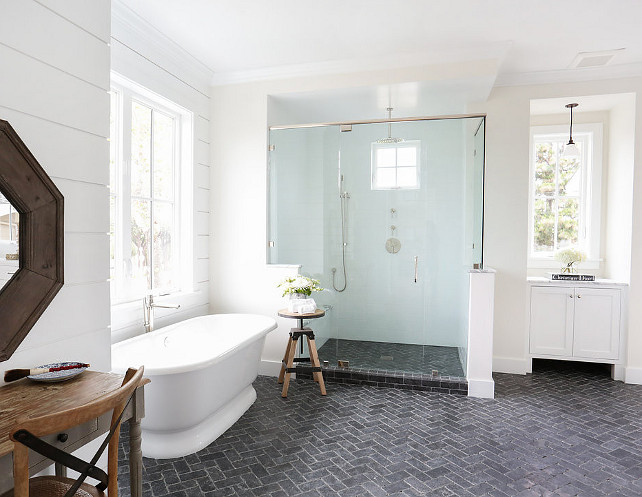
(576, 322)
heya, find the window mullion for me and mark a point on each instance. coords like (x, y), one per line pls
(124, 229)
(557, 197)
(151, 203)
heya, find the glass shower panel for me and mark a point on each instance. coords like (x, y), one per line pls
(391, 229)
(303, 162)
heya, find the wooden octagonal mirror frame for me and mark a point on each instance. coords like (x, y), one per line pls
(26, 185)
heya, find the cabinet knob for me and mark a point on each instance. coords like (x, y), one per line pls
(63, 437)
(570, 296)
(579, 296)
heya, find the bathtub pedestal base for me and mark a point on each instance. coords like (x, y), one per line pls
(170, 444)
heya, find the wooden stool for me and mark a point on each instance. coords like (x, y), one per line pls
(287, 365)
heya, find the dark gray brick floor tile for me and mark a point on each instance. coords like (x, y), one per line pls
(564, 430)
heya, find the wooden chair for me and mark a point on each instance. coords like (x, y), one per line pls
(27, 430)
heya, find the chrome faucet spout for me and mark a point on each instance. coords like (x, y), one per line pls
(148, 311)
(167, 306)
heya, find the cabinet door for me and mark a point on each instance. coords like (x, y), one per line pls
(597, 323)
(551, 323)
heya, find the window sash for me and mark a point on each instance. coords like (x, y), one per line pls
(377, 168)
(589, 138)
(121, 194)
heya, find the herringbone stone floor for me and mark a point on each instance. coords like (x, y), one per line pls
(560, 432)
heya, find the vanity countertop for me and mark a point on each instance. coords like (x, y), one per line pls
(542, 281)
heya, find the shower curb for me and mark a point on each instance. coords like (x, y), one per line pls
(390, 379)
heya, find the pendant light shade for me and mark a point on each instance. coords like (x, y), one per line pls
(570, 149)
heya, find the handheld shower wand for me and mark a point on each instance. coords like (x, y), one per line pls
(343, 197)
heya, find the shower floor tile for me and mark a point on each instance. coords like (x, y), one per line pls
(397, 357)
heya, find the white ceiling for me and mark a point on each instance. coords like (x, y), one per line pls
(239, 39)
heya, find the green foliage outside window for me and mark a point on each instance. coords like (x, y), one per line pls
(557, 197)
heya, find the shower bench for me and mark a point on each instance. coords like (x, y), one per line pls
(287, 365)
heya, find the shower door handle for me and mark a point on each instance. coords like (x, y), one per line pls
(416, 266)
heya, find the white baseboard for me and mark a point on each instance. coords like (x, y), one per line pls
(483, 389)
(633, 376)
(510, 365)
(269, 368)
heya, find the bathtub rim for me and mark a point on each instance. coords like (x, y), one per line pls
(192, 366)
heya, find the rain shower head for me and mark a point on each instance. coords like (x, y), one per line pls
(390, 138)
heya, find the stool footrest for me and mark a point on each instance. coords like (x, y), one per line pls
(304, 369)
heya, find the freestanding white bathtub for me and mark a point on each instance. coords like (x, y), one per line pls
(201, 373)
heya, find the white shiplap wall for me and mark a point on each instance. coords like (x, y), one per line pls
(145, 56)
(54, 79)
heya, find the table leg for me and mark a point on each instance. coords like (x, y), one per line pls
(289, 364)
(135, 458)
(314, 359)
(20, 471)
(285, 359)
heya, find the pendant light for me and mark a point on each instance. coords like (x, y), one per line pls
(571, 150)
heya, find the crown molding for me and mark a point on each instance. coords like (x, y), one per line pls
(130, 29)
(570, 75)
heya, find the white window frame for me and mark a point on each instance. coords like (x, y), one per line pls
(590, 197)
(375, 168)
(128, 92)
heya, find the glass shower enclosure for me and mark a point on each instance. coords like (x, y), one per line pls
(388, 216)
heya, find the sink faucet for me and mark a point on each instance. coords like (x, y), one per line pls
(148, 311)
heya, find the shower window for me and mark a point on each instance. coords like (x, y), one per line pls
(395, 165)
(145, 195)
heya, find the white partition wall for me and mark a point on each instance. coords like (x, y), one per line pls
(480, 333)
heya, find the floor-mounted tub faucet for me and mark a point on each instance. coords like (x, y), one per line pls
(148, 311)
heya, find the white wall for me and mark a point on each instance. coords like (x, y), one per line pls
(145, 56)
(619, 194)
(54, 79)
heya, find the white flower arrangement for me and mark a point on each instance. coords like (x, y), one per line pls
(300, 284)
(569, 257)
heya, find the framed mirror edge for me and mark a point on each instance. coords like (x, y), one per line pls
(40, 276)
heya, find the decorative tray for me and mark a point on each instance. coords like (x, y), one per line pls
(56, 376)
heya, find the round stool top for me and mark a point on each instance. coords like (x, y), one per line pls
(319, 313)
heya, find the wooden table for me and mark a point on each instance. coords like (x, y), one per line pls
(37, 398)
(287, 365)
